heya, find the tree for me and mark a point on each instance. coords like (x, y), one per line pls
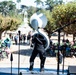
(6, 7)
(31, 10)
(50, 24)
(64, 14)
(9, 18)
(52, 3)
(7, 23)
(60, 16)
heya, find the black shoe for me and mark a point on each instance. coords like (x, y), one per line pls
(42, 70)
(31, 68)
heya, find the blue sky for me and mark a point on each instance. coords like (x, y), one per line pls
(31, 2)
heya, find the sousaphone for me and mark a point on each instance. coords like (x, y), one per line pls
(39, 21)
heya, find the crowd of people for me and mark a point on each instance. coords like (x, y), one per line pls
(66, 47)
(23, 38)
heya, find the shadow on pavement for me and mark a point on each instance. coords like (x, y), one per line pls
(26, 52)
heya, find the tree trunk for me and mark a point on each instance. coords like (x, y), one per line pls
(0, 34)
(73, 37)
(64, 35)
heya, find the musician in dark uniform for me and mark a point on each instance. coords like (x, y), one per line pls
(39, 48)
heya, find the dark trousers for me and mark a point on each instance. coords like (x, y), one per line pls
(42, 58)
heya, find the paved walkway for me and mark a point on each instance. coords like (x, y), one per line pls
(25, 52)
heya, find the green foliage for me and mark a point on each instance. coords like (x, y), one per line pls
(64, 14)
(61, 15)
(10, 19)
(50, 24)
(31, 10)
(6, 7)
(52, 3)
(7, 23)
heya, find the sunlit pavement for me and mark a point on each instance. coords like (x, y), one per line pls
(25, 52)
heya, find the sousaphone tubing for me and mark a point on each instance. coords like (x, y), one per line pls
(38, 21)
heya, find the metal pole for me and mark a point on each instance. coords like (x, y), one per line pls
(11, 67)
(19, 53)
(58, 51)
(63, 62)
(11, 59)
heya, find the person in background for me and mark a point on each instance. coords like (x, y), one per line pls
(7, 42)
(29, 38)
(60, 57)
(16, 39)
(24, 38)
